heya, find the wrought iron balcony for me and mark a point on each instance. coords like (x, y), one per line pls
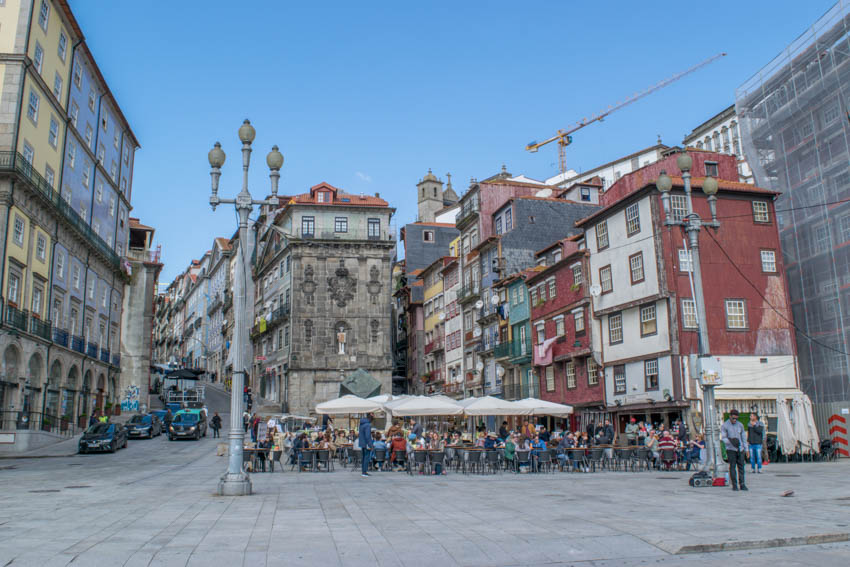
(15, 317)
(104, 355)
(60, 337)
(91, 350)
(521, 351)
(502, 350)
(78, 344)
(116, 360)
(40, 328)
(468, 293)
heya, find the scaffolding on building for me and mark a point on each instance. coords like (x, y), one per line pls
(795, 127)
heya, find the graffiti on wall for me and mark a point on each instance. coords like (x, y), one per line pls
(131, 399)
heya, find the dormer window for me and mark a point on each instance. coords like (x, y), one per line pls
(322, 197)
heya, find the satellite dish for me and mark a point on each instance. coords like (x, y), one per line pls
(500, 370)
(480, 366)
(595, 290)
(476, 332)
(479, 304)
(442, 316)
(544, 193)
(494, 300)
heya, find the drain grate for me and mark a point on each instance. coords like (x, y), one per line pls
(75, 464)
(8, 468)
(78, 486)
(45, 490)
(787, 475)
(668, 478)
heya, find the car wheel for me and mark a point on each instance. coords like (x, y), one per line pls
(112, 447)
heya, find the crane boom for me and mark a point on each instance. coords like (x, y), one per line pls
(563, 136)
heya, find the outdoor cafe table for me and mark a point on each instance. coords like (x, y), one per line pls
(253, 453)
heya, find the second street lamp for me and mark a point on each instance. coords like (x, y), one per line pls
(235, 481)
(708, 375)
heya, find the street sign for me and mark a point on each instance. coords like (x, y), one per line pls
(710, 371)
(260, 358)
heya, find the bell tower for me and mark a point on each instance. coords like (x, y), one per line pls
(429, 192)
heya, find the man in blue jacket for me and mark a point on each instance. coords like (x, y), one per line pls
(364, 439)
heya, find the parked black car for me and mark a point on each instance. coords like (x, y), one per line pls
(186, 425)
(103, 437)
(144, 425)
(160, 413)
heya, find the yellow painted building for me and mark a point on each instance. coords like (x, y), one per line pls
(27, 268)
(434, 324)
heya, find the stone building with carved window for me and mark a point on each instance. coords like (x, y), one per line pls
(322, 276)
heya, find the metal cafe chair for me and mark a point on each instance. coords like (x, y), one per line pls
(623, 457)
(523, 457)
(436, 458)
(597, 457)
(380, 459)
(668, 458)
(420, 461)
(544, 460)
(492, 462)
(323, 457)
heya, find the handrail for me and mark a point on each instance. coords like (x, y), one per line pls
(36, 421)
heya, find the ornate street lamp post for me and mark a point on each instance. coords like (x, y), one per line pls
(235, 481)
(708, 374)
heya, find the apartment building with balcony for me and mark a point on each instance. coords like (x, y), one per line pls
(453, 330)
(435, 377)
(66, 162)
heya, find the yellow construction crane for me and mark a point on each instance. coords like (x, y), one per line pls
(564, 138)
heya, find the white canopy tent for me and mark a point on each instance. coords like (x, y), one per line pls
(347, 405)
(384, 398)
(542, 407)
(488, 405)
(804, 429)
(423, 406)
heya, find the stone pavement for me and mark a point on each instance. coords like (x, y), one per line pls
(153, 504)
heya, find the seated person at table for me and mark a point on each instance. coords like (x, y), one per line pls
(652, 445)
(264, 446)
(667, 442)
(490, 442)
(301, 444)
(399, 448)
(544, 435)
(539, 446)
(525, 445)
(379, 443)
(566, 442)
(436, 442)
(510, 448)
(583, 441)
(503, 431)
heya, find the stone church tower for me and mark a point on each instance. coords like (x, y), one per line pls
(430, 197)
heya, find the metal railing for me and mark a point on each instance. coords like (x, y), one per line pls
(60, 337)
(40, 328)
(78, 344)
(521, 349)
(116, 360)
(384, 233)
(34, 421)
(502, 350)
(91, 350)
(104, 355)
(15, 317)
(468, 292)
(13, 161)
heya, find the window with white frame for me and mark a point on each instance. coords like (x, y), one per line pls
(686, 260)
(91, 99)
(602, 235)
(18, 235)
(113, 170)
(632, 219)
(86, 172)
(72, 154)
(89, 136)
(578, 319)
(540, 329)
(91, 289)
(768, 261)
(78, 76)
(570, 373)
(605, 281)
(340, 224)
(552, 288)
(116, 140)
(49, 175)
(112, 206)
(126, 155)
(60, 265)
(57, 86)
(556, 256)
(29, 153)
(648, 323)
(13, 287)
(74, 114)
(76, 277)
(636, 268)
(650, 373)
(760, 211)
(577, 275)
(32, 106)
(36, 300)
(689, 314)
(40, 247)
(592, 372)
(103, 298)
(736, 314)
(550, 378)
(99, 192)
(53, 133)
(84, 213)
(615, 328)
(38, 57)
(62, 49)
(44, 14)
(620, 379)
(104, 121)
(560, 328)
(678, 207)
(101, 153)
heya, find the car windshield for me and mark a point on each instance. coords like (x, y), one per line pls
(140, 419)
(98, 429)
(186, 418)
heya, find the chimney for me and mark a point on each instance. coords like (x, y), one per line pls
(378, 195)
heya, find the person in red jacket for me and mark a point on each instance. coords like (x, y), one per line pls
(398, 446)
(667, 442)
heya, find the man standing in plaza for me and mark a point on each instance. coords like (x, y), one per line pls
(734, 438)
(364, 439)
(631, 432)
(755, 438)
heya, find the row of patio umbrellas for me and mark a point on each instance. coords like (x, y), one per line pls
(408, 406)
(799, 428)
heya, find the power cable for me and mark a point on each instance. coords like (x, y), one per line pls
(778, 312)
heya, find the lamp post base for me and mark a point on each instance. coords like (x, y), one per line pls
(234, 485)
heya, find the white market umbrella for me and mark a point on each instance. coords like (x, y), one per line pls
(784, 431)
(810, 422)
(542, 407)
(798, 422)
(347, 404)
(382, 399)
(424, 406)
(488, 405)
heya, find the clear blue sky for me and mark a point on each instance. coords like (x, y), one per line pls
(368, 95)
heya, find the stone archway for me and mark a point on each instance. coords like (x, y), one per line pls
(35, 381)
(9, 371)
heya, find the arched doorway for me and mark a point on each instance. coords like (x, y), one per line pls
(86, 396)
(113, 391)
(35, 371)
(10, 363)
(71, 383)
(100, 391)
(54, 382)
